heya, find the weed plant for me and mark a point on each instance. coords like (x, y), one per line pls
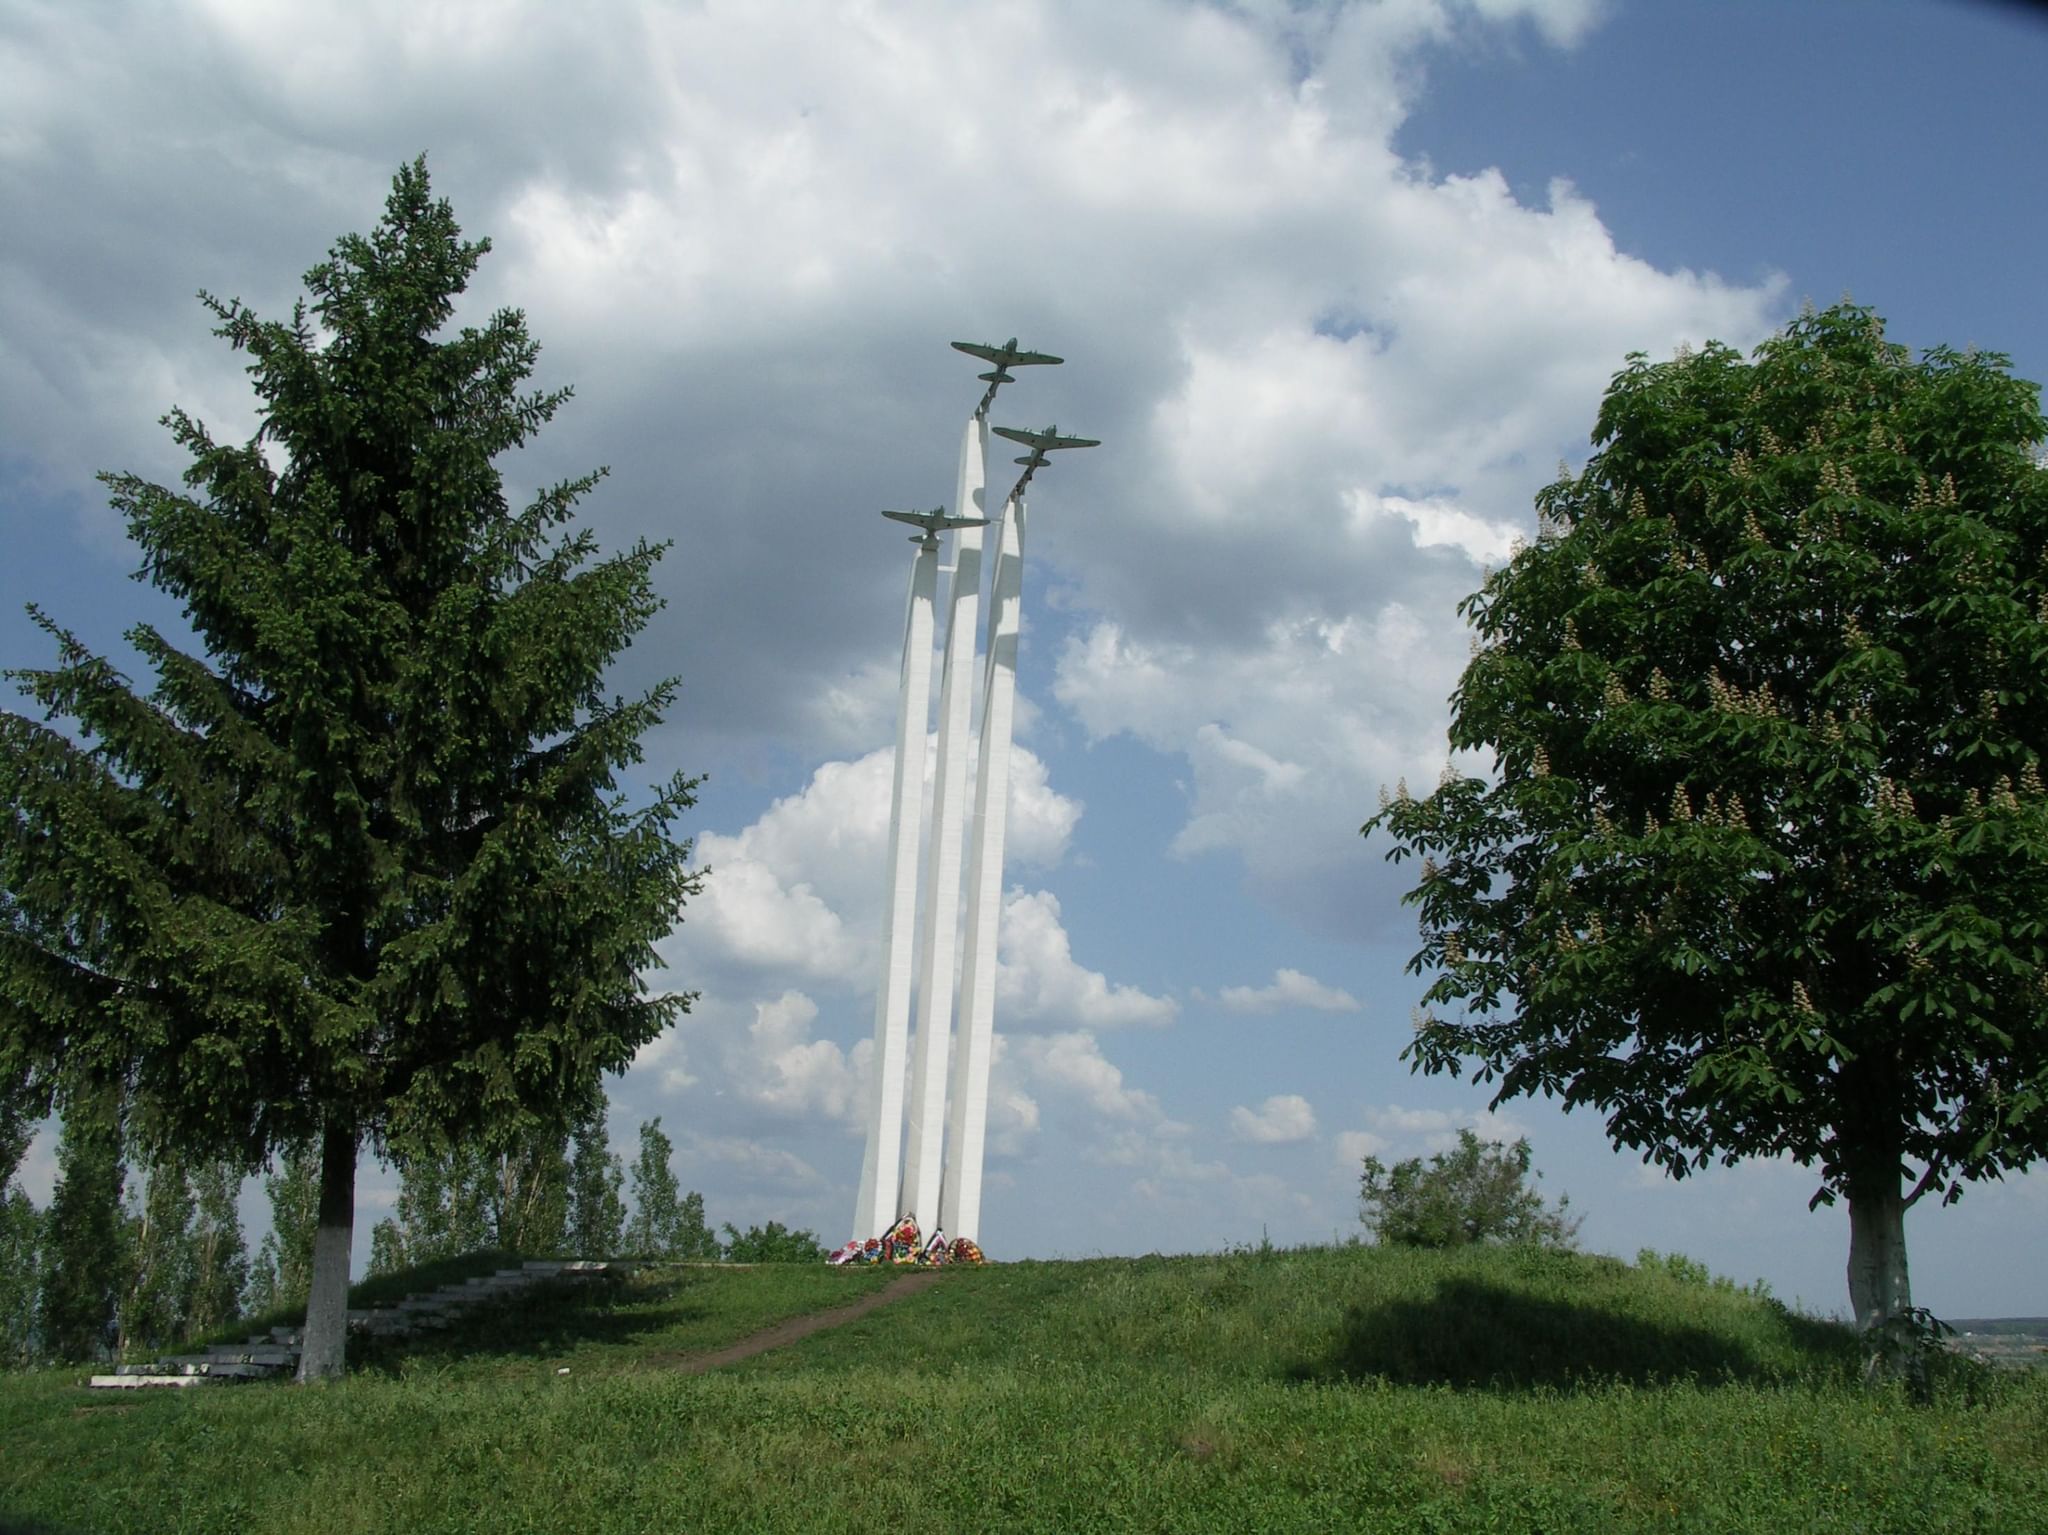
(1327, 1390)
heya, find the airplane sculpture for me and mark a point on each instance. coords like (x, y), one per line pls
(935, 522)
(1005, 357)
(1040, 444)
(1046, 441)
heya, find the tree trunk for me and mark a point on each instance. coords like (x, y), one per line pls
(323, 1345)
(1879, 1290)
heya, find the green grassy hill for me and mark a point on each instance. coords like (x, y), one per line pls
(1326, 1389)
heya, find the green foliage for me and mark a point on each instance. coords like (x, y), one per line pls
(1477, 1193)
(597, 1212)
(666, 1223)
(360, 868)
(220, 1257)
(1690, 1271)
(772, 1243)
(441, 1211)
(21, 1244)
(694, 1239)
(655, 1229)
(1762, 866)
(284, 1263)
(85, 1252)
(455, 1199)
(162, 1259)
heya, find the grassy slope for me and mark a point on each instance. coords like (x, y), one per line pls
(1319, 1390)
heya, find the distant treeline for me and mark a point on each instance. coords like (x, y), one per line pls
(134, 1255)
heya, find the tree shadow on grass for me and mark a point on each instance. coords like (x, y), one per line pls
(548, 1320)
(1473, 1335)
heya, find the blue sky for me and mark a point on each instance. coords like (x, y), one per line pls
(1338, 285)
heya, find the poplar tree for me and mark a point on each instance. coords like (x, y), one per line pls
(655, 1230)
(694, 1238)
(359, 870)
(220, 1256)
(84, 1257)
(459, 1199)
(597, 1210)
(284, 1263)
(21, 1240)
(155, 1310)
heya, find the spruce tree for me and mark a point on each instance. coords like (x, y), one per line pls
(359, 870)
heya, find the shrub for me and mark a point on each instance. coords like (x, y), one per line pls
(1475, 1193)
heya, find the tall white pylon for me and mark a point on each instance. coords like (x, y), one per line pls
(938, 1178)
(939, 927)
(882, 1168)
(967, 1121)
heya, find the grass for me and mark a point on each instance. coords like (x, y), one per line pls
(1322, 1389)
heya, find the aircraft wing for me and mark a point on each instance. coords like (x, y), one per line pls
(1008, 355)
(936, 520)
(1045, 441)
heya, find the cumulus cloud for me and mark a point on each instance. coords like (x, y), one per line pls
(1071, 1067)
(1354, 1146)
(1392, 1130)
(1289, 988)
(1039, 982)
(796, 1074)
(798, 891)
(1281, 1120)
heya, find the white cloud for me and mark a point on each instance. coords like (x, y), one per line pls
(1354, 1146)
(1038, 980)
(665, 1056)
(796, 1074)
(754, 1160)
(1396, 1131)
(1071, 1067)
(1281, 1120)
(1289, 988)
(754, 919)
(798, 892)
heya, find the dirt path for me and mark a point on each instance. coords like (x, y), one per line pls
(783, 1333)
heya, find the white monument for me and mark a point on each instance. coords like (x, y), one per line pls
(936, 1179)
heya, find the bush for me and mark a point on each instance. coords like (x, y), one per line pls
(1477, 1193)
(772, 1243)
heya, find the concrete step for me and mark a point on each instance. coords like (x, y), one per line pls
(225, 1369)
(275, 1353)
(274, 1356)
